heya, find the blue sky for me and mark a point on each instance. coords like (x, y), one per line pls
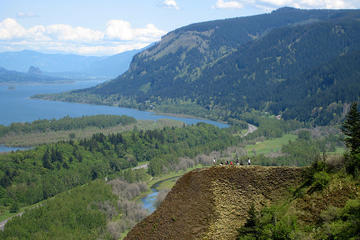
(105, 27)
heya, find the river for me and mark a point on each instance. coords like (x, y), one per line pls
(17, 106)
(149, 200)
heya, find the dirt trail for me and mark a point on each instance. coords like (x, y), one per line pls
(212, 203)
(251, 129)
(2, 223)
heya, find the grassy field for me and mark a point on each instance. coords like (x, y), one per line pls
(338, 151)
(168, 184)
(271, 145)
(34, 139)
(169, 180)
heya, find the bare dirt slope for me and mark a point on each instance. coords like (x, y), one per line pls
(212, 203)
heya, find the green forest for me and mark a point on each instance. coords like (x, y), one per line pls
(56, 175)
(27, 177)
(294, 63)
(292, 75)
(66, 123)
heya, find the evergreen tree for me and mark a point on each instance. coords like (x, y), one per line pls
(351, 129)
(249, 230)
(46, 160)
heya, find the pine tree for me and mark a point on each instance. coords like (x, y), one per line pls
(249, 231)
(351, 129)
(46, 160)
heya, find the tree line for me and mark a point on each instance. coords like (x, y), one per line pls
(27, 177)
(67, 123)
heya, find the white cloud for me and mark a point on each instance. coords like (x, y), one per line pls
(170, 4)
(26, 15)
(269, 5)
(64, 32)
(107, 50)
(118, 36)
(10, 29)
(228, 4)
(119, 29)
(148, 34)
(122, 30)
(38, 33)
(308, 4)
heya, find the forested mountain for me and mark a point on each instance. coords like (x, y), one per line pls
(34, 75)
(288, 62)
(68, 64)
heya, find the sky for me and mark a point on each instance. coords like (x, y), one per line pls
(107, 27)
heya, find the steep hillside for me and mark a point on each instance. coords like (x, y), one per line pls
(212, 203)
(278, 62)
(328, 85)
(181, 56)
(288, 69)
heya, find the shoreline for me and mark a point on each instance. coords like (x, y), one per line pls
(183, 115)
(151, 111)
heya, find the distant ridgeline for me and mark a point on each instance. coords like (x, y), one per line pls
(34, 75)
(68, 65)
(302, 64)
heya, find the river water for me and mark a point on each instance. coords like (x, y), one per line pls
(17, 106)
(149, 200)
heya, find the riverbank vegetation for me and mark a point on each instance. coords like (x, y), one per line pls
(118, 211)
(92, 211)
(67, 123)
(179, 107)
(30, 176)
(52, 131)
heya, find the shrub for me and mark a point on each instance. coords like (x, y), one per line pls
(321, 179)
(14, 207)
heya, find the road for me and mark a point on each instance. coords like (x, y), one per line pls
(251, 129)
(141, 166)
(2, 224)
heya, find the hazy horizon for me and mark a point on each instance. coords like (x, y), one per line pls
(105, 28)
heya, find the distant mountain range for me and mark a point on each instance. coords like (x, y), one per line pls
(301, 64)
(34, 75)
(68, 65)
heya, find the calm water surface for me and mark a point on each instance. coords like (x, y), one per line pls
(150, 199)
(16, 106)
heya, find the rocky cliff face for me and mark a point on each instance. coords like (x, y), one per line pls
(212, 203)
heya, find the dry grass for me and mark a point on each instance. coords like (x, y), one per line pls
(211, 203)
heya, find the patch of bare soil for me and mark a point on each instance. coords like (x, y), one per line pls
(212, 203)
